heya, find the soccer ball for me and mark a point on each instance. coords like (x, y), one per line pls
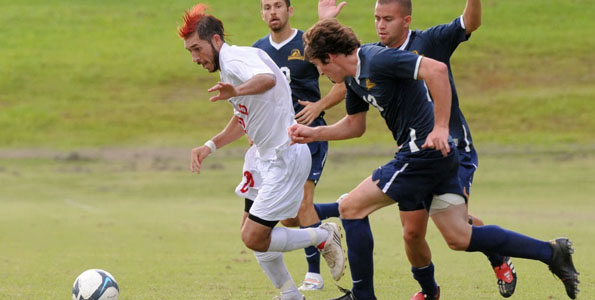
(95, 284)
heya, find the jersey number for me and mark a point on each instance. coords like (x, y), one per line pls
(287, 73)
(372, 100)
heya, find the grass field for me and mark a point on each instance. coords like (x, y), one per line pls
(100, 104)
(168, 234)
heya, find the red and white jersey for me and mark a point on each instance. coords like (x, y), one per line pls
(264, 117)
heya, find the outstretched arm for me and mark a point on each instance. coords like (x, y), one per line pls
(349, 127)
(312, 110)
(230, 133)
(255, 85)
(435, 74)
(472, 15)
(328, 9)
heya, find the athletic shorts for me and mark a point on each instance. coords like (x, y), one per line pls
(251, 180)
(413, 178)
(319, 151)
(282, 188)
(467, 165)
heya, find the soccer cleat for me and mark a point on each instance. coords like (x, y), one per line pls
(312, 282)
(563, 267)
(348, 295)
(506, 278)
(333, 251)
(424, 296)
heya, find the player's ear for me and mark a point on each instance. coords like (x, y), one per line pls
(290, 11)
(407, 20)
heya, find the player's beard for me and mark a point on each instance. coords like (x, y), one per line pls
(215, 57)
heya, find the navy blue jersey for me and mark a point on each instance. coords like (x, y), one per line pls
(387, 79)
(439, 43)
(301, 74)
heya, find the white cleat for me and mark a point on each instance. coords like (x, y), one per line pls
(312, 282)
(281, 298)
(333, 251)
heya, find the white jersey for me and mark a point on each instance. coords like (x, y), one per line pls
(264, 117)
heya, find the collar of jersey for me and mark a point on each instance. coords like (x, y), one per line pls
(280, 45)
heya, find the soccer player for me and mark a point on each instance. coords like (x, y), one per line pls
(393, 18)
(285, 47)
(424, 170)
(261, 98)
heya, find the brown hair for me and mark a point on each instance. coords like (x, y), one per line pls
(404, 4)
(326, 37)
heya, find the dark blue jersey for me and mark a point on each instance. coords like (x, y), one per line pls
(439, 43)
(387, 79)
(301, 74)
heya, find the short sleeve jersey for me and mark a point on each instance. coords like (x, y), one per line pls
(387, 79)
(439, 43)
(264, 117)
(301, 74)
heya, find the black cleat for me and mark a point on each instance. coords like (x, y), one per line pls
(348, 294)
(563, 267)
(506, 278)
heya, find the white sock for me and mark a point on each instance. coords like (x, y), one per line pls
(274, 267)
(286, 239)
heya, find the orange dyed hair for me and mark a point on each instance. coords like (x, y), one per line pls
(191, 19)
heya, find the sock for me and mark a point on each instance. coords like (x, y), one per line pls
(287, 239)
(360, 251)
(425, 277)
(494, 239)
(313, 255)
(327, 210)
(274, 267)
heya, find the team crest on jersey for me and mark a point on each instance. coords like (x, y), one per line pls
(416, 52)
(296, 55)
(369, 84)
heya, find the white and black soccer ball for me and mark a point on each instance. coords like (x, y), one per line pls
(95, 284)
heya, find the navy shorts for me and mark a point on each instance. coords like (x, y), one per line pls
(319, 151)
(412, 179)
(467, 166)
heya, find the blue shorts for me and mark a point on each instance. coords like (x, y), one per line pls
(319, 151)
(467, 167)
(412, 179)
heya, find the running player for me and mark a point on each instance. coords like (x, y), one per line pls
(261, 98)
(424, 171)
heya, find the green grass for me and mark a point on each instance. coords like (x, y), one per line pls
(87, 74)
(165, 233)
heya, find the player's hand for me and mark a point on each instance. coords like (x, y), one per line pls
(225, 90)
(300, 134)
(438, 140)
(197, 156)
(328, 9)
(309, 113)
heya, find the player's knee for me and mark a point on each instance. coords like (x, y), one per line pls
(413, 235)
(293, 222)
(457, 243)
(254, 243)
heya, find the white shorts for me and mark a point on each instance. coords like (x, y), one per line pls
(282, 188)
(251, 179)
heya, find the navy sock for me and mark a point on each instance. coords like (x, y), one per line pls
(327, 210)
(313, 255)
(494, 239)
(425, 277)
(360, 251)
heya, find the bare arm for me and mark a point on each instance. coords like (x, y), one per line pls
(255, 85)
(435, 74)
(230, 133)
(312, 110)
(349, 127)
(328, 9)
(472, 15)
